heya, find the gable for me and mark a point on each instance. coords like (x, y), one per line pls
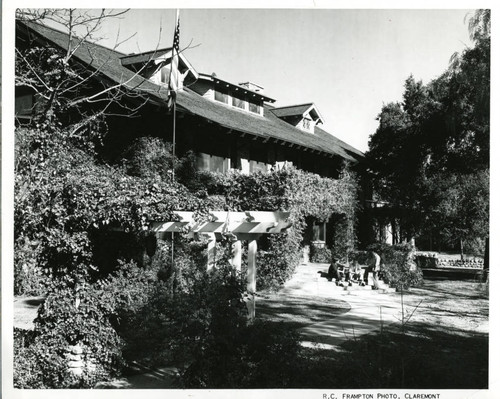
(303, 116)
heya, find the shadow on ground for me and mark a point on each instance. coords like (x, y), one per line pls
(299, 311)
(425, 357)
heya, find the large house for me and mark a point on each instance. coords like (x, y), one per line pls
(227, 125)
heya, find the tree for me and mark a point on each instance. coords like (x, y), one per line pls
(458, 207)
(430, 154)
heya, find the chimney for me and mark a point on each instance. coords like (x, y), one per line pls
(252, 86)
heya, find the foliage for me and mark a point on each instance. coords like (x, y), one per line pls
(320, 254)
(149, 157)
(61, 204)
(398, 265)
(277, 264)
(459, 207)
(60, 324)
(68, 201)
(430, 148)
(259, 355)
(302, 194)
(87, 315)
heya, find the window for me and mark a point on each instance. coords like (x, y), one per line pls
(306, 124)
(255, 108)
(164, 75)
(239, 103)
(222, 97)
(212, 163)
(319, 231)
(24, 105)
(256, 166)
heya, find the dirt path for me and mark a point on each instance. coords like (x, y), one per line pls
(26, 310)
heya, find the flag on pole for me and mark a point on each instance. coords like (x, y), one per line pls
(174, 78)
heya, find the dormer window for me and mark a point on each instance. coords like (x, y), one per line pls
(155, 65)
(239, 103)
(304, 117)
(256, 109)
(247, 96)
(221, 97)
(238, 98)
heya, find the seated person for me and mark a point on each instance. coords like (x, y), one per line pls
(356, 273)
(335, 271)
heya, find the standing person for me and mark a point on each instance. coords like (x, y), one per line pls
(373, 267)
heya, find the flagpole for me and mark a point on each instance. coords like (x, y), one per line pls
(173, 142)
(174, 96)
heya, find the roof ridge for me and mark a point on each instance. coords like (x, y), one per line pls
(27, 23)
(296, 105)
(146, 52)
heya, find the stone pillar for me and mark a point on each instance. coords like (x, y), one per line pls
(236, 252)
(251, 278)
(74, 357)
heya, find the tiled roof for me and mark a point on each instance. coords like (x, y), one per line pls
(270, 126)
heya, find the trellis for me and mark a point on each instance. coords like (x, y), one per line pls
(239, 226)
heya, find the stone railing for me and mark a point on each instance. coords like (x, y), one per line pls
(434, 261)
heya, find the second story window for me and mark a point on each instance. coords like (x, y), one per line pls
(306, 124)
(252, 107)
(222, 97)
(238, 102)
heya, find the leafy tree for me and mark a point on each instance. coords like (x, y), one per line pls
(430, 154)
(458, 206)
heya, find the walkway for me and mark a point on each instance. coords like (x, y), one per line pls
(370, 310)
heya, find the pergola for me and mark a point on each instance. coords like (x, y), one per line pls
(239, 226)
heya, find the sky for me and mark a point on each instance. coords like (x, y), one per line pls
(348, 62)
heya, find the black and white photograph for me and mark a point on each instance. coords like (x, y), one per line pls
(208, 201)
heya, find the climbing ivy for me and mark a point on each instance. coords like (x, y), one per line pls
(303, 194)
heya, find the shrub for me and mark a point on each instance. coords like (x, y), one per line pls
(259, 355)
(26, 372)
(320, 254)
(149, 157)
(398, 265)
(277, 264)
(87, 315)
(77, 316)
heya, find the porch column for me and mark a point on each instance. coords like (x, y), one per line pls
(236, 252)
(211, 251)
(251, 277)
